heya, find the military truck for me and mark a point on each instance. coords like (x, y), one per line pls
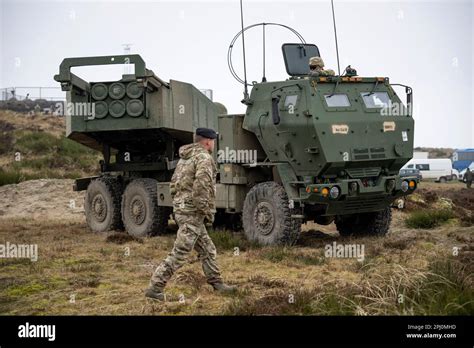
(307, 149)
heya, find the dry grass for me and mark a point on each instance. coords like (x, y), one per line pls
(97, 272)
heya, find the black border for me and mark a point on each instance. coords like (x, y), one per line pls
(217, 330)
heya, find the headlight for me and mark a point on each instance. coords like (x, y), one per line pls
(334, 192)
(404, 186)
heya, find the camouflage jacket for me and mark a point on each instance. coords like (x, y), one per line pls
(193, 185)
(322, 72)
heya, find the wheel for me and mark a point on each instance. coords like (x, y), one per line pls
(267, 216)
(102, 205)
(373, 224)
(443, 180)
(141, 214)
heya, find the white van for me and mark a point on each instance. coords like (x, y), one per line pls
(440, 169)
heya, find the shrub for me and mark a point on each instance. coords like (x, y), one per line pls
(428, 218)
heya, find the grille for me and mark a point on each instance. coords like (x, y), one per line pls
(365, 153)
(356, 173)
(363, 204)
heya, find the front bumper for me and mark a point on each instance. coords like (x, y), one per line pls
(355, 196)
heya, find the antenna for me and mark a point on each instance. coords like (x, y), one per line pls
(264, 78)
(246, 93)
(335, 36)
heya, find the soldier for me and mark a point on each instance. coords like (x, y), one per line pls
(192, 188)
(468, 177)
(316, 66)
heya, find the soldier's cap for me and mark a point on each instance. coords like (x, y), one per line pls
(206, 133)
(316, 61)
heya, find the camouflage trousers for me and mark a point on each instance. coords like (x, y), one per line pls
(192, 234)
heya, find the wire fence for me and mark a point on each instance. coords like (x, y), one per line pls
(32, 93)
(48, 100)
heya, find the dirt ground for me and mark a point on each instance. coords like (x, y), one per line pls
(48, 199)
(410, 271)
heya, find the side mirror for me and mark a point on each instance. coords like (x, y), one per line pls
(409, 93)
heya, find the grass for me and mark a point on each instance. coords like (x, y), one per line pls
(10, 177)
(285, 254)
(271, 280)
(225, 240)
(429, 218)
(36, 143)
(444, 289)
(44, 155)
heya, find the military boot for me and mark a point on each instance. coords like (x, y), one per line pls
(224, 288)
(155, 293)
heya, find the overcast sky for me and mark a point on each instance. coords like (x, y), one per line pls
(425, 44)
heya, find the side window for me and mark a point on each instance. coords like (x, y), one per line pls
(337, 100)
(410, 166)
(376, 100)
(290, 103)
(423, 166)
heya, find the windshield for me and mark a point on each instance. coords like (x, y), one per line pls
(376, 99)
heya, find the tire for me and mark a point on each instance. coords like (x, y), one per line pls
(141, 215)
(102, 205)
(367, 224)
(443, 180)
(267, 217)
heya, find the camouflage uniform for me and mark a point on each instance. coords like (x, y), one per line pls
(318, 70)
(193, 190)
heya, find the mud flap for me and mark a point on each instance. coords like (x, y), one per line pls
(288, 179)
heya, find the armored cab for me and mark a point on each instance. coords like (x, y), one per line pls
(333, 148)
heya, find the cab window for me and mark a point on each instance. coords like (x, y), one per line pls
(337, 100)
(423, 166)
(290, 101)
(376, 99)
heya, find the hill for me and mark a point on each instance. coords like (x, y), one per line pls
(35, 146)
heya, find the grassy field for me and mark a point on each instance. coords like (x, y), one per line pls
(411, 271)
(33, 147)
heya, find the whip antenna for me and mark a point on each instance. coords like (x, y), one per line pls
(335, 36)
(246, 93)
